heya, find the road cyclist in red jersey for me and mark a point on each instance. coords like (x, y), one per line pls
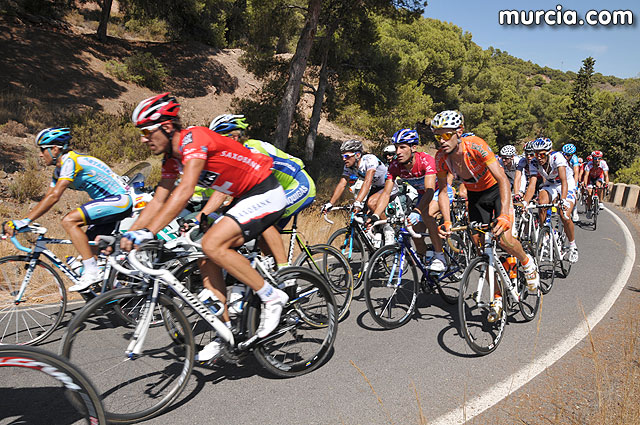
(202, 157)
(469, 158)
(595, 176)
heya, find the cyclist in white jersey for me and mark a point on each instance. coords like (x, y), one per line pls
(509, 160)
(558, 183)
(364, 166)
(573, 168)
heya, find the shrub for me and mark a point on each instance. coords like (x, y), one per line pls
(142, 69)
(27, 185)
(147, 29)
(13, 128)
(629, 175)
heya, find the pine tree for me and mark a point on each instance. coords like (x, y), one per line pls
(581, 117)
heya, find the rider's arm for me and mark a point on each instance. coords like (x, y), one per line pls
(179, 196)
(531, 188)
(562, 173)
(366, 185)
(383, 201)
(516, 182)
(606, 178)
(160, 196)
(338, 190)
(443, 201)
(214, 202)
(52, 196)
(429, 190)
(503, 183)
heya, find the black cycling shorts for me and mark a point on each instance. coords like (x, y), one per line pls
(484, 206)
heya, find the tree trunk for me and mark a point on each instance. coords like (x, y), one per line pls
(296, 71)
(317, 107)
(104, 19)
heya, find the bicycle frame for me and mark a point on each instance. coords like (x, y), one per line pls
(490, 252)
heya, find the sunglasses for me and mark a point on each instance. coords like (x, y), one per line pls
(347, 155)
(444, 136)
(541, 154)
(531, 154)
(148, 131)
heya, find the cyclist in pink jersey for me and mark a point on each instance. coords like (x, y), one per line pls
(210, 160)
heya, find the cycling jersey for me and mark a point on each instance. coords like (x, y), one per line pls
(423, 165)
(285, 167)
(89, 174)
(596, 173)
(229, 167)
(510, 171)
(572, 162)
(550, 172)
(477, 157)
(366, 163)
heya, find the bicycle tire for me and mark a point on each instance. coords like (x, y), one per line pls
(482, 336)
(137, 388)
(73, 384)
(545, 259)
(354, 251)
(457, 261)
(43, 303)
(595, 206)
(529, 303)
(310, 303)
(329, 263)
(565, 264)
(384, 297)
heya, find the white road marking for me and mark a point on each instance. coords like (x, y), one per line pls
(493, 395)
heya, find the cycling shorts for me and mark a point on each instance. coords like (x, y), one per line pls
(486, 205)
(555, 189)
(449, 193)
(258, 208)
(300, 194)
(107, 210)
(592, 182)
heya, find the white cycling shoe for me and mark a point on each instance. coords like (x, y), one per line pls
(210, 351)
(86, 281)
(573, 255)
(270, 314)
(437, 265)
(575, 217)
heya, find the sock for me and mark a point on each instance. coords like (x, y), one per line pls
(90, 265)
(228, 324)
(281, 265)
(572, 244)
(266, 293)
(439, 256)
(529, 263)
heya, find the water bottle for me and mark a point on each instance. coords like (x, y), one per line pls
(389, 234)
(75, 263)
(509, 264)
(236, 297)
(211, 301)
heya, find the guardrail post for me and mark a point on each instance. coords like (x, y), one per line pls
(619, 193)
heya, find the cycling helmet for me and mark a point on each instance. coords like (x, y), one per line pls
(589, 158)
(528, 147)
(407, 136)
(389, 150)
(542, 144)
(447, 119)
(226, 123)
(569, 148)
(596, 154)
(580, 160)
(508, 150)
(155, 110)
(54, 136)
(351, 145)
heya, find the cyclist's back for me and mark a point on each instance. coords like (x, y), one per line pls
(88, 174)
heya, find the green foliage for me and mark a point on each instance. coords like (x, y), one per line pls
(106, 136)
(148, 29)
(581, 112)
(630, 174)
(142, 69)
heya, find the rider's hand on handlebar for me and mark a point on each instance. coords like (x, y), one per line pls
(358, 206)
(414, 218)
(134, 238)
(370, 220)
(326, 207)
(444, 230)
(503, 223)
(10, 227)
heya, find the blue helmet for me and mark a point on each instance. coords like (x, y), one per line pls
(569, 148)
(54, 136)
(542, 144)
(406, 135)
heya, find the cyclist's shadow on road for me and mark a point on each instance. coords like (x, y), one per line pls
(36, 406)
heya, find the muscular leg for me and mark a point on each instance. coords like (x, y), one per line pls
(432, 225)
(273, 240)
(72, 224)
(212, 280)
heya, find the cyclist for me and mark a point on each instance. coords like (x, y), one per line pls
(298, 185)
(200, 156)
(364, 166)
(522, 172)
(569, 152)
(110, 199)
(596, 173)
(509, 161)
(489, 195)
(419, 170)
(389, 154)
(551, 167)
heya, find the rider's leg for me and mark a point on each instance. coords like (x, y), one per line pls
(72, 224)
(213, 280)
(543, 198)
(273, 240)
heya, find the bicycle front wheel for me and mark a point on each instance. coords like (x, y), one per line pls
(307, 329)
(38, 312)
(546, 258)
(595, 206)
(354, 250)
(329, 263)
(482, 333)
(132, 387)
(391, 287)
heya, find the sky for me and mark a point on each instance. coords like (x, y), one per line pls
(616, 48)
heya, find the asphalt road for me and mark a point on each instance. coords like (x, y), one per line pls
(389, 376)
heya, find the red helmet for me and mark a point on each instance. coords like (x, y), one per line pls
(155, 110)
(596, 155)
(589, 158)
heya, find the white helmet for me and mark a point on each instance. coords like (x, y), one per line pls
(351, 145)
(391, 149)
(508, 150)
(447, 119)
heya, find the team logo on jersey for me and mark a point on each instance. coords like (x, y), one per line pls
(188, 138)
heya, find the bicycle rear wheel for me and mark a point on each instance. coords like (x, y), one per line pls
(547, 261)
(529, 303)
(329, 263)
(132, 388)
(307, 330)
(60, 392)
(391, 287)
(349, 244)
(41, 307)
(565, 264)
(474, 306)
